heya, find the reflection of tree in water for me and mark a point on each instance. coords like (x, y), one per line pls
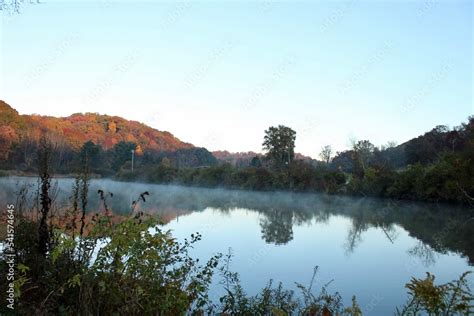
(277, 227)
(277, 224)
(354, 236)
(424, 252)
(301, 217)
(389, 231)
(363, 219)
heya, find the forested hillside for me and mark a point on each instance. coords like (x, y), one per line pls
(111, 139)
(75, 130)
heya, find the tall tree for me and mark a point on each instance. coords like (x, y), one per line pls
(44, 161)
(326, 154)
(256, 162)
(121, 153)
(279, 143)
(91, 155)
(363, 152)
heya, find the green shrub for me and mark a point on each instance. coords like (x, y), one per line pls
(452, 298)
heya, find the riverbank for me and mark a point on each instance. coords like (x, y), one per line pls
(402, 185)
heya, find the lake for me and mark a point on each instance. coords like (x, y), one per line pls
(367, 247)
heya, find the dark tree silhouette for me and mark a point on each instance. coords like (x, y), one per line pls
(279, 143)
(44, 160)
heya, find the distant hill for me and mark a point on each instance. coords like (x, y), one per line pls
(424, 149)
(73, 131)
(428, 147)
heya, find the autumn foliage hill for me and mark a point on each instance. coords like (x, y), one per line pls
(73, 131)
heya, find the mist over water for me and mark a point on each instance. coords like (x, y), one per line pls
(369, 247)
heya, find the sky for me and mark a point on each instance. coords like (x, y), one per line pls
(218, 73)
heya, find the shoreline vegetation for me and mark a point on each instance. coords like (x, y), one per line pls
(131, 266)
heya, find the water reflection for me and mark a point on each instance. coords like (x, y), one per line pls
(364, 220)
(424, 253)
(277, 227)
(438, 228)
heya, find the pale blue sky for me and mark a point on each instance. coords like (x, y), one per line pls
(218, 73)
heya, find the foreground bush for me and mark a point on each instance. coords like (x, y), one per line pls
(128, 268)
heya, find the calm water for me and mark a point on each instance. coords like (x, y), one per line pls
(369, 247)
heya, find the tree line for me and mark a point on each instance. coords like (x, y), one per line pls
(435, 167)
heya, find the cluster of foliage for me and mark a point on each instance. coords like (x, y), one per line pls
(364, 170)
(278, 300)
(452, 298)
(279, 143)
(299, 176)
(120, 268)
(440, 168)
